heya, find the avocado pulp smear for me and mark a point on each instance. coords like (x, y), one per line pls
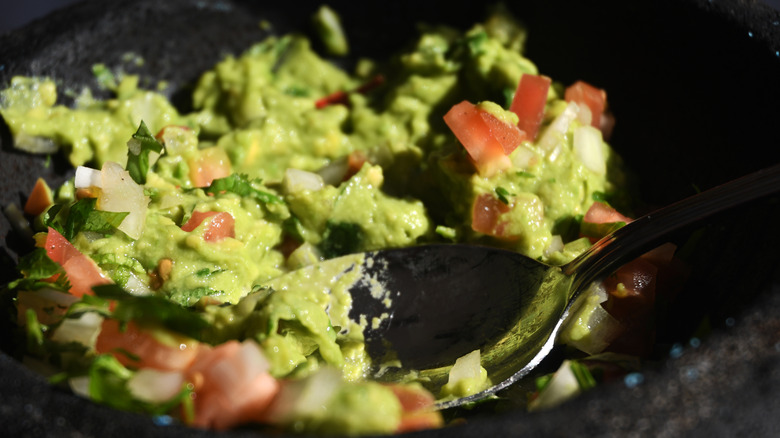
(285, 161)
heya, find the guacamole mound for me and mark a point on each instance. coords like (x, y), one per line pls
(286, 161)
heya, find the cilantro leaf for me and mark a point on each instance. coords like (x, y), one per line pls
(84, 216)
(242, 186)
(108, 380)
(341, 238)
(54, 217)
(152, 308)
(138, 149)
(37, 267)
(502, 194)
(600, 197)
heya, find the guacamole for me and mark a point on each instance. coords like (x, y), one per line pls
(184, 253)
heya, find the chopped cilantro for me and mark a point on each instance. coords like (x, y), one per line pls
(447, 232)
(600, 197)
(341, 238)
(36, 267)
(525, 174)
(242, 186)
(583, 375)
(108, 380)
(153, 309)
(503, 195)
(82, 216)
(138, 149)
(476, 42)
(104, 76)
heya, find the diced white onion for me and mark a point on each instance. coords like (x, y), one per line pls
(523, 158)
(79, 385)
(334, 172)
(556, 244)
(589, 327)
(87, 177)
(296, 181)
(155, 386)
(307, 396)
(83, 330)
(562, 386)
(136, 286)
(253, 358)
(34, 144)
(585, 116)
(555, 134)
(121, 194)
(169, 200)
(466, 367)
(588, 148)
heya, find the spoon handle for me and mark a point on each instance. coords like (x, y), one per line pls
(642, 234)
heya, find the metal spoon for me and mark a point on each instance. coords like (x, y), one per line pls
(448, 300)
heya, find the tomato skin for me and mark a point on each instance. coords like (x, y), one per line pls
(529, 102)
(355, 162)
(147, 351)
(418, 409)
(40, 198)
(486, 215)
(633, 304)
(230, 388)
(601, 213)
(594, 98)
(230, 381)
(160, 136)
(83, 273)
(221, 225)
(213, 163)
(487, 139)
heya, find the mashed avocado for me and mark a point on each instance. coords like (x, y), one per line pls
(286, 161)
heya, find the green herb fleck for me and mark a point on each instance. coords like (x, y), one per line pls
(241, 185)
(503, 195)
(152, 308)
(138, 149)
(341, 238)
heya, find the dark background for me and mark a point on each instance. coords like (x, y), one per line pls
(16, 13)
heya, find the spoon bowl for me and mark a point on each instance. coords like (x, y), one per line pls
(447, 300)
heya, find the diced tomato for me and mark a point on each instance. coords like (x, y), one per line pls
(232, 385)
(213, 163)
(597, 220)
(507, 135)
(632, 302)
(40, 198)
(594, 98)
(529, 102)
(342, 97)
(161, 135)
(83, 273)
(355, 162)
(138, 348)
(220, 226)
(418, 409)
(601, 213)
(486, 216)
(487, 139)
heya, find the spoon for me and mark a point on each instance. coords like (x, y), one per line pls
(447, 300)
